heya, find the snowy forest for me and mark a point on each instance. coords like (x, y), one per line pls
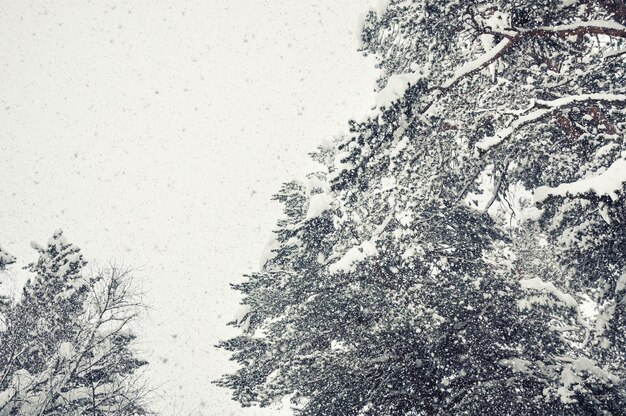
(462, 250)
(459, 250)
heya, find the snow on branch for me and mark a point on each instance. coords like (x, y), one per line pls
(398, 84)
(561, 102)
(591, 27)
(541, 286)
(603, 27)
(6, 258)
(571, 381)
(478, 64)
(598, 27)
(550, 106)
(353, 256)
(396, 87)
(606, 183)
(318, 204)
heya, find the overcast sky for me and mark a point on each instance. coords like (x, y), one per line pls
(154, 134)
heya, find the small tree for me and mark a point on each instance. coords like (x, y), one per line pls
(67, 345)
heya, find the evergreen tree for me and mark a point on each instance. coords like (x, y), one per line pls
(398, 287)
(66, 348)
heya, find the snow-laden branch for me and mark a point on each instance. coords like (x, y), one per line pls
(6, 259)
(476, 65)
(537, 284)
(513, 36)
(354, 255)
(550, 106)
(592, 27)
(600, 27)
(396, 87)
(607, 183)
(570, 376)
(398, 84)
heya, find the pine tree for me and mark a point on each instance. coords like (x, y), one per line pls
(397, 287)
(67, 348)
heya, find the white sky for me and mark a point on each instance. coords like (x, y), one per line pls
(155, 133)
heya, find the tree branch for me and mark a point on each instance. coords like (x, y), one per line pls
(550, 106)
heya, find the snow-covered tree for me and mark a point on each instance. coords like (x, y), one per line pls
(66, 348)
(405, 281)
(6, 259)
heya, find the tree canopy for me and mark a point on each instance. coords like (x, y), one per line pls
(462, 249)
